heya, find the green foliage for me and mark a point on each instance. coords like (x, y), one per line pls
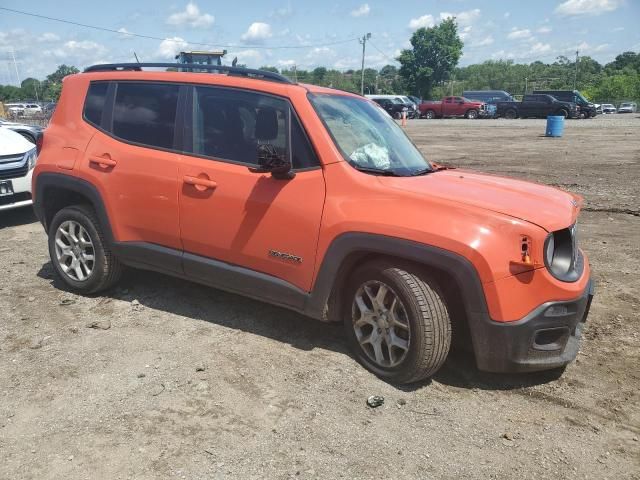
(434, 54)
(62, 71)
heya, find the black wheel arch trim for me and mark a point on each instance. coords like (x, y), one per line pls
(347, 244)
(77, 185)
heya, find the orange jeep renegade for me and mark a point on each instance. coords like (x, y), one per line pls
(315, 200)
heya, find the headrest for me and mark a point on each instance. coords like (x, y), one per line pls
(267, 124)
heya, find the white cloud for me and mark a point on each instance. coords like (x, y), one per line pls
(544, 30)
(464, 33)
(507, 14)
(287, 63)
(484, 42)
(257, 32)
(48, 37)
(465, 18)
(125, 33)
(252, 58)
(425, 21)
(618, 29)
(170, 47)
(516, 34)
(282, 13)
(191, 17)
(587, 7)
(362, 11)
(540, 48)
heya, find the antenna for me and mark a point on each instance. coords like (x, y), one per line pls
(134, 54)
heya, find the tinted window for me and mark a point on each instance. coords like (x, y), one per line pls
(94, 104)
(230, 124)
(145, 113)
(302, 153)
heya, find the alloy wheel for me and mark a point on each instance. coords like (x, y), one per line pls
(74, 251)
(381, 324)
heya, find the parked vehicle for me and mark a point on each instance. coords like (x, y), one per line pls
(17, 159)
(627, 107)
(411, 109)
(414, 99)
(453, 107)
(587, 109)
(23, 109)
(315, 200)
(30, 132)
(608, 108)
(598, 108)
(539, 106)
(490, 97)
(392, 106)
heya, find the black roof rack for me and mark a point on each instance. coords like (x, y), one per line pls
(240, 71)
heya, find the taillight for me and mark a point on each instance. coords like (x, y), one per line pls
(39, 140)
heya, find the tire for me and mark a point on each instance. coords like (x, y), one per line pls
(563, 113)
(511, 114)
(397, 116)
(105, 269)
(471, 114)
(421, 348)
(429, 114)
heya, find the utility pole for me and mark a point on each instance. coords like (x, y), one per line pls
(295, 73)
(15, 65)
(575, 75)
(363, 41)
(526, 82)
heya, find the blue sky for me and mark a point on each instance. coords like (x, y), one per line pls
(321, 33)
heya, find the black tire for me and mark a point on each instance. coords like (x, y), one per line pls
(397, 115)
(471, 114)
(106, 271)
(511, 114)
(429, 114)
(563, 113)
(429, 337)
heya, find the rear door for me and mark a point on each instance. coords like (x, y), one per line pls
(130, 158)
(232, 215)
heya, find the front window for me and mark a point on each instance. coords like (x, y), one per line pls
(367, 137)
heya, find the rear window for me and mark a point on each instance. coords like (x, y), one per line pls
(145, 113)
(94, 104)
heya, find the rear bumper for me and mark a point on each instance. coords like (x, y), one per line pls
(548, 337)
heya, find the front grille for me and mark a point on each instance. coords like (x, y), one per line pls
(15, 198)
(13, 166)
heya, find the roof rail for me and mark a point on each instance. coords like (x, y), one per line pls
(240, 71)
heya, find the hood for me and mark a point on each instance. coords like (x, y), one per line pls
(549, 208)
(12, 143)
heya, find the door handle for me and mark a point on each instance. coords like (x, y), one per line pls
(199, 182)
(105, 161)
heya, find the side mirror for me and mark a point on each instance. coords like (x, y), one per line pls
(270, 161)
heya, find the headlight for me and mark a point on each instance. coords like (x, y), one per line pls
(561, 255)
(31, 156)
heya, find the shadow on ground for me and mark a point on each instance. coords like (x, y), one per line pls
(19, 216)
(180, 297)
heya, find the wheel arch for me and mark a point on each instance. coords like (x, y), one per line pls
(54, 191)
(455, 275)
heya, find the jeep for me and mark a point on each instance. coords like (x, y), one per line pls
(315, 200)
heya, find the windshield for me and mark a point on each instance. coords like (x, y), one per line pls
(367, 136)
(625, 105)
(581, 99)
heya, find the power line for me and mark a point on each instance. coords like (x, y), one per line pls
(382, 53)
(150, 37)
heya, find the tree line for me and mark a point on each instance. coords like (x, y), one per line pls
(429, 70)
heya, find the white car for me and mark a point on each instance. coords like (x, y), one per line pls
(627, 107)
(23, 109)
(17, 159)
(608, 108)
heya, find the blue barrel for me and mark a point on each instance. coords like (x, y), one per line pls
(555, 126)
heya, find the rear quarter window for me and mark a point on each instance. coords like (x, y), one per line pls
(94, 103)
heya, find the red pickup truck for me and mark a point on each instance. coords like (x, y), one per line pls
(453, 107)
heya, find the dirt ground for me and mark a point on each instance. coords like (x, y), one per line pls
(182, 381)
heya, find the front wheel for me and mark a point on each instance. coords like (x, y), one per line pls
(430, 114)
(511, 114)
(472, 114)
(396, 322)
(563, 113)
(79, 252)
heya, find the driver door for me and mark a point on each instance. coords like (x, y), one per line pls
(230, 214)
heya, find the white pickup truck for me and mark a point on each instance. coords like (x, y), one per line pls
(17, 159)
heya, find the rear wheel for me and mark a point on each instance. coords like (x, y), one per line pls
(511, 114)
(563, 113)
(79, 252)
(429, 114)
(396, 322)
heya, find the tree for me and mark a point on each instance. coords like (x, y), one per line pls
(269, 69)
(31, 87)
(62, 71)
(434, 54)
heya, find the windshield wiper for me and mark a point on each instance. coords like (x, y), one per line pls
(422, 171)
(378, 171)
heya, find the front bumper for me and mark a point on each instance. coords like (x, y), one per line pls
(548, 337)
(21, 193)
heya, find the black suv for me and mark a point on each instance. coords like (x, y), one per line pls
(587, 109)
(537, 106)
(393, 107)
